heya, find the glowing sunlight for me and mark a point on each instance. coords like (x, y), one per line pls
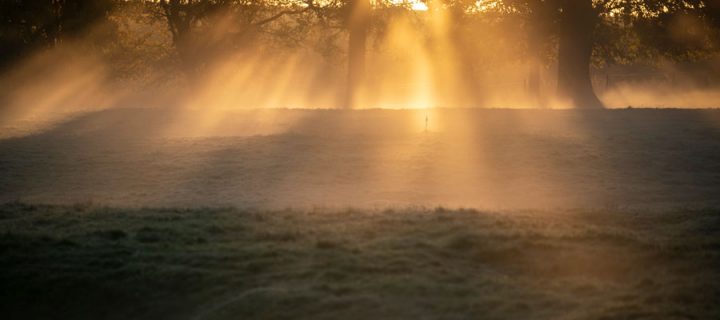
(359, 159)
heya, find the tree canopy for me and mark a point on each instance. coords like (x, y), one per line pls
(575, 35)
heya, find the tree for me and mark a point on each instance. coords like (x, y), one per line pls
(615, 31)
(540, 21)
(192, 22)
(357, 24)
(28, 25)
(577, 24)
(353, 17)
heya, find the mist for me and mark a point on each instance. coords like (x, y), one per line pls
(449, 56)
(484, 105)
(401, 103)
(359, 159)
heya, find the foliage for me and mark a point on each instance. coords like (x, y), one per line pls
(26, 25)
(188, 35)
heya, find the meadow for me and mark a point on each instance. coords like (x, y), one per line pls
(90, 262)
(274, 159)
(366, 214)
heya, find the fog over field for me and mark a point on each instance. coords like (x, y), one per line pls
(359, 159)
(492, 159)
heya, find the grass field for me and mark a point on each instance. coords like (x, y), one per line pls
(273, 159)
(88, 262)
(159, 214)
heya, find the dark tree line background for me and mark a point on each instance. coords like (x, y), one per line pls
(29, 25)
(573, 34)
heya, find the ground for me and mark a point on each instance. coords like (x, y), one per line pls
(487, 214)
(485, 159)
(85, 262)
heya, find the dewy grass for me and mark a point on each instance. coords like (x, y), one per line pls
(114, 263)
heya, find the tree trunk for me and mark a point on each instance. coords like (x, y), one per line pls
(534, 83)
(577, 24)
(535, 37)
(539, 30)
(358, 23)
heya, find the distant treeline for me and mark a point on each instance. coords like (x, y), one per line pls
(184, 37)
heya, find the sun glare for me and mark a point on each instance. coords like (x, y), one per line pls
(415, 5)
(419, 6)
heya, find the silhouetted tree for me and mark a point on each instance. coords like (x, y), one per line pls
(357, 24)
(577, 26)
(540, 22)
(615, 31)
(537, 25)
(575, 21)
(27, 25)
(191, 24)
